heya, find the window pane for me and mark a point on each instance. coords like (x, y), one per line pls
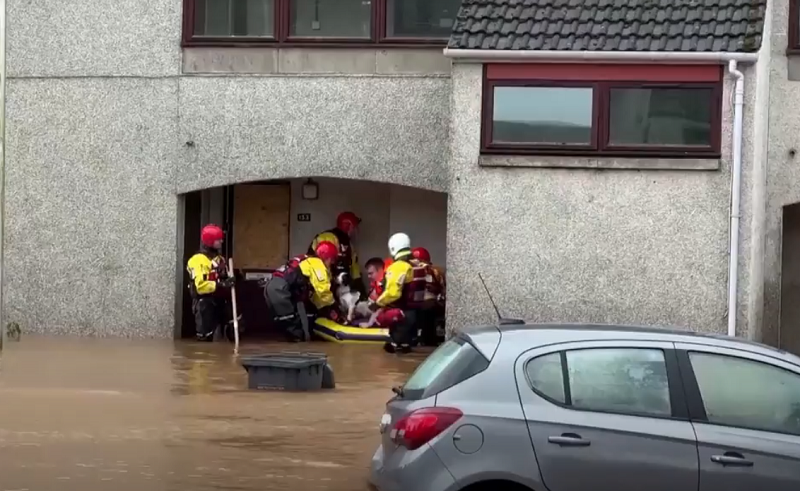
(739, 392)
(421, 18)
(660, 117)
(332, 18)
(542, 115)
(546, 376)
(453, 362)
(625, 380)
(230, 18)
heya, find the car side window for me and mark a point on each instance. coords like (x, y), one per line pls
(746, 393)
(546, 375)
(618, 380)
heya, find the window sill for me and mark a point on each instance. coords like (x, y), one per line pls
(601, 163)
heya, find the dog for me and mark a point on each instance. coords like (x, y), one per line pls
(348, 299)
(350, 302)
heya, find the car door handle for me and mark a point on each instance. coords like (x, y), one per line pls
(734, 459)
(569, 440)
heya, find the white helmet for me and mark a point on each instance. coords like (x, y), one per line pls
(398, 242)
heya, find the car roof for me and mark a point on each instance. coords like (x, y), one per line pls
(550, 333)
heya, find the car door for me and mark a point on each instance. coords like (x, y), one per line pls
(745, 409)
(608, 416)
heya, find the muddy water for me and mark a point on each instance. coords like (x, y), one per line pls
(101, 414)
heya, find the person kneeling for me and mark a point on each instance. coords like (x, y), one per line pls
(399, 293)
(305, 279)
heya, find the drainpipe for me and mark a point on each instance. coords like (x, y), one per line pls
(736, 195)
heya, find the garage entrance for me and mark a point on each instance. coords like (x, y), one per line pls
(267, 222)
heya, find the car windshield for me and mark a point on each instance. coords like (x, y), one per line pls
(453, 362)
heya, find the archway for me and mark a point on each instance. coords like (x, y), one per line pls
(267, 222)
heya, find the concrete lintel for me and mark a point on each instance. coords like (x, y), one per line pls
(314, 61)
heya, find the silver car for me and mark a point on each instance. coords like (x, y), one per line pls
(587, 407)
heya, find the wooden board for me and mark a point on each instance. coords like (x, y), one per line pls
(261, 225)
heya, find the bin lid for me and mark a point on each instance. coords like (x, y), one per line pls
(284, 360)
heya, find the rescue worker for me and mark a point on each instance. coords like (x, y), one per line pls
(209, 284)
(375, 268)
(431, 296)
(399, 292)
(303, 284)
(342, 236)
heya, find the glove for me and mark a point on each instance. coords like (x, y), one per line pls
(226, 282)
(373, 306)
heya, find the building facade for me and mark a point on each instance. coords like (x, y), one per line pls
(586, 153)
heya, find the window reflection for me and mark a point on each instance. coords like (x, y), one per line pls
(331, 18)
(660, 116)
(546, 376)
(764, 397)
(229, 18)
(625, 380)
(421, 18)
(543, 115)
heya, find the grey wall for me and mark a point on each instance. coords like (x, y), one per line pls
(633, 246)
(99, 114)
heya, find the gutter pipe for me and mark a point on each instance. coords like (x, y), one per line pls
(736, 195)
(543, 56)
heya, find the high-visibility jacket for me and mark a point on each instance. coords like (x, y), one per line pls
(308, 279)
(205, 271)
(399, 289)
(347, 262)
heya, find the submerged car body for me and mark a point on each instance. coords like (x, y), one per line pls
(568, 407)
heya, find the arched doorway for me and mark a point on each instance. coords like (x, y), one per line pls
(268, 221)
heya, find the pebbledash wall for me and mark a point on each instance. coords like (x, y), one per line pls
(101, 114)
(100, 111)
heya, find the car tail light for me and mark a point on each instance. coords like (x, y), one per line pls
(423, 425)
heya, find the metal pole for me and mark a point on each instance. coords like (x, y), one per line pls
(2, 167)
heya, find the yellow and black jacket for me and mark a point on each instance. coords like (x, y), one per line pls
(397, 282)
(308, 279)
(205, 271)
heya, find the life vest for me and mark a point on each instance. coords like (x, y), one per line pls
(424, 289)
(376, 287)
(290, 272)
(219, 270)
(293, 264)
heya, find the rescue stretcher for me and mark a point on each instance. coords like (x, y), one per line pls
(338, 333)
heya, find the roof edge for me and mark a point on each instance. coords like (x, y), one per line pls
(527, 56)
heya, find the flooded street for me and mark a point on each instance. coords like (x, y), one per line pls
(112, 414)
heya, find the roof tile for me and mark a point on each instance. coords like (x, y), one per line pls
(603, 25)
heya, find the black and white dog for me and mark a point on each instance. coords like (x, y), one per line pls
(350, 302)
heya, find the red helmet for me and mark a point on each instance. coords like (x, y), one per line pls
(387, 262)
(327, 251)
(347, 221)
(210, 234)
(421, 254)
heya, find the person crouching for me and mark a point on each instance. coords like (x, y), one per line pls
(304, 279)
(398, 297)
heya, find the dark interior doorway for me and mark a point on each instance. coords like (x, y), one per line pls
(790, 280)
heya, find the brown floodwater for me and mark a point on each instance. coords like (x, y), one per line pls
(123, 415)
